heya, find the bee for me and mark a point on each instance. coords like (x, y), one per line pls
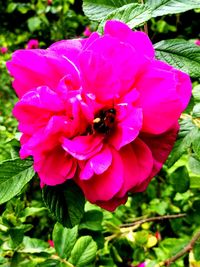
(104, 121)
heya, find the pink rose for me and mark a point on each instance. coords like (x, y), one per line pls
(101, 110)
(142, 264)
(32, 44)
(3, 50)
(87, 32)
(197, 42)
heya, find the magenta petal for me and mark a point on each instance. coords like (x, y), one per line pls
(103, 187)
(128, 126)
(139, 40)
(184, 87)
(138, 164)
(112, 204)
(83, 147)
(54, 167)
(35, 67)
(159, 99)
(160, 146)
(68, 48)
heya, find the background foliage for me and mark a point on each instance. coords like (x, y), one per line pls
(51, 229)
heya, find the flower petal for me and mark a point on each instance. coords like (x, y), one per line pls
(139, 40)
(103, 187)
(55, 166)
(98, 164)
(83, 147)
(138, 163)
(37, 67)
(128, 126)
(159, 99)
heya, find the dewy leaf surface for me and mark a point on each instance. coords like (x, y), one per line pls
(99, 9)
(180, 54)
(165, 7)
(14, 174)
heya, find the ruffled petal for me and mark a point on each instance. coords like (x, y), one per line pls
(36, 67)
(103, 187)
(159, 99)
(128, 125)
(139, 40)
(138, 164)
(160, 146)
(83, 147)
(54, 167)
(98, 164)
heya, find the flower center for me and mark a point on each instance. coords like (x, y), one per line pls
(104, 121)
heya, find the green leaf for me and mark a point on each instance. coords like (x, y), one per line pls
(180, 179)
(49, 263)
(64, 239)
(11, 7)
(196, 92)
(14, 174)
(132, 14)
(180, 54)
(141, 237)
(196, 250)
(165, 7)
(196, 111)
(66, 202)
(84, 252)
(33, 245)
(194, 165)
(194, 181)
(92, 220)
(99, 9)
(187, 134)
(34, 23)
(196, 145)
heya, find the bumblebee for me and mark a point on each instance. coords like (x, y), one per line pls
(104, 121)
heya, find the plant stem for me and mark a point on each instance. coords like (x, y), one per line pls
(158, 218)
(185, 250)
(145, 25)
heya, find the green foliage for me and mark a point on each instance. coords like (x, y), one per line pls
(180, 54)
(83, 234)
(66, 202)
(14, 174)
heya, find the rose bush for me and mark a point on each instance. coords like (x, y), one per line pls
(101, 111)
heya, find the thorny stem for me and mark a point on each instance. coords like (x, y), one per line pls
(158, 218)
(185, 250)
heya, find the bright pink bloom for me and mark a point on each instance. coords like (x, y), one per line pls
(3, 50)
(87, 32)
(142, 264)
(197, 42)
(102, 111)
(51, 243)
(32, 44)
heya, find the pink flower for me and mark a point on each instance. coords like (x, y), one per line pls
(102, 111)
(49, 2)
(197, 42)
(3, 50)
(87, 32)
(142, 264)
(32, 44)
(51, 243)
